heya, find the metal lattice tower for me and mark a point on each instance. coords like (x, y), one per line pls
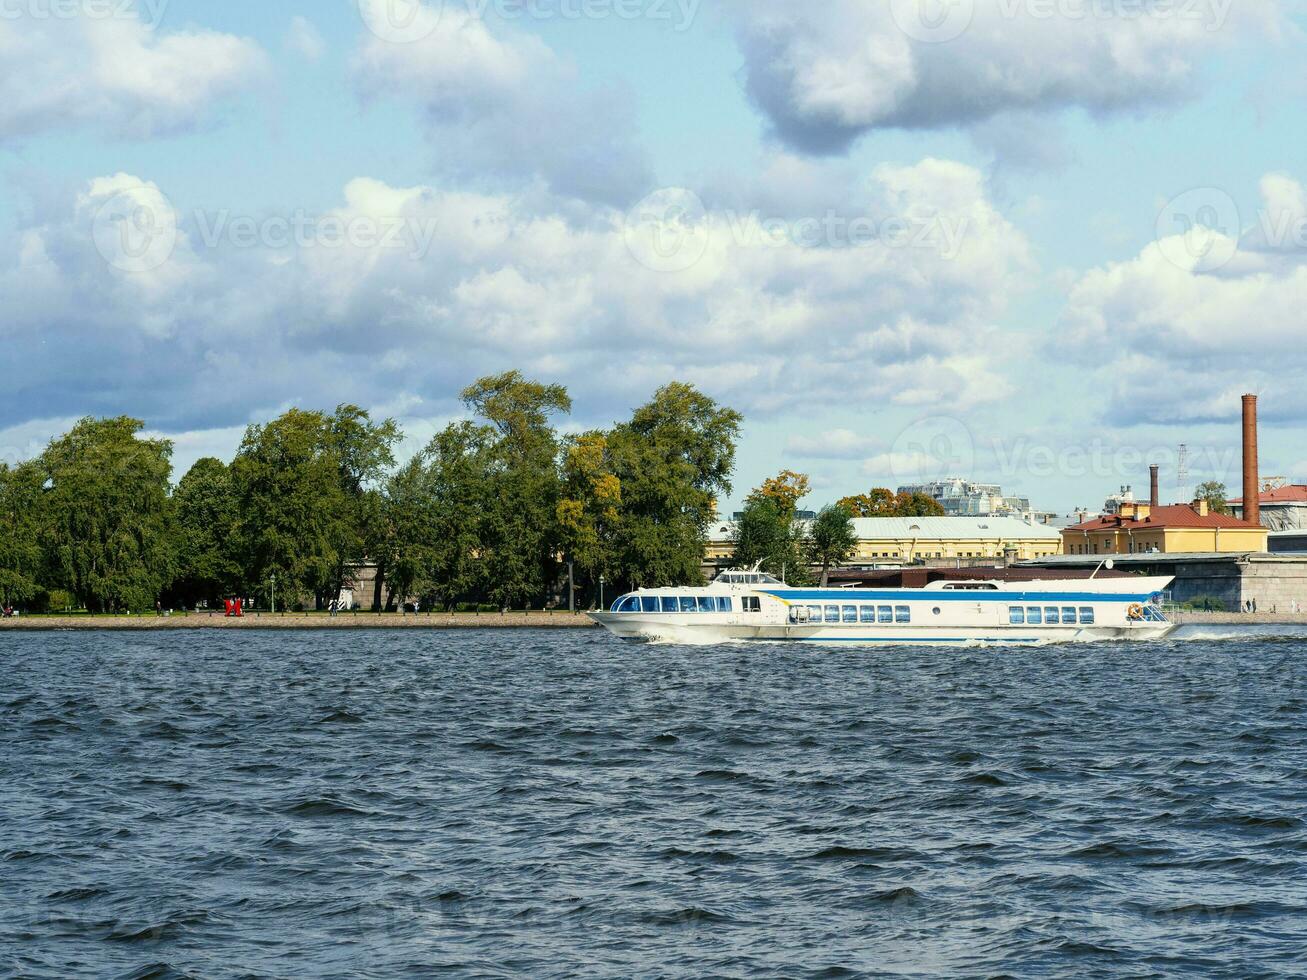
(1182, 472)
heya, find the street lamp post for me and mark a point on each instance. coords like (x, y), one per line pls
(602, 607)
(273, 602)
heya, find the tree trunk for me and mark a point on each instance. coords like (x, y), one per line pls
(378, 587)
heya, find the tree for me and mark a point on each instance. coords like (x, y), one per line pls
(879, 502)
(517, 536)
(1214, 492)
(589, 512)
(917, 505)
(106, 514)
(832, 539)
(673, 460)
(21, 512)
(786, 489)
(769, 536)
(205, 520)
(304, 486)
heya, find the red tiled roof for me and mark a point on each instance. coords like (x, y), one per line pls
(1168, 515)
(1281, 495)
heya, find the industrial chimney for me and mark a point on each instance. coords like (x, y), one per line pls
(1252, 509)
(1155, 494)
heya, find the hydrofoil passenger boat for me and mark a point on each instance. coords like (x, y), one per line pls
(751, 605)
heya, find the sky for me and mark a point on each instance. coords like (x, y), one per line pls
(1041, 243)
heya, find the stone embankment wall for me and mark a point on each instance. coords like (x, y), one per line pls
(300, 621)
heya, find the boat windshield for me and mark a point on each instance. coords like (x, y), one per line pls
(748, 578)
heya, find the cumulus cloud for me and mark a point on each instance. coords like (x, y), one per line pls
(508, 106)
(304, 39)
(1196, 319)
(115, 74)
(411, 292)
(825, 74)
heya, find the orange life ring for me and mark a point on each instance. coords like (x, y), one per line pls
(1136, 611)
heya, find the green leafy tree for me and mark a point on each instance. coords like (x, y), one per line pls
(589, 512)
(517, 533)
(673, 460)
(1217, 497)
(106, 514)
(205, 527)
(832, 539)
(304, 486)
(21, 512)
(917, 505)
(768, 535)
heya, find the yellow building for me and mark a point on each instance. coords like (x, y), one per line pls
(905, 540)
(1170, 529)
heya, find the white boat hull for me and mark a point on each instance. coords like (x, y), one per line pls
(656, 629)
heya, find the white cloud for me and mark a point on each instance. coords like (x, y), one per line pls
(1179, 337)
(304, 39)
(831, 444)
(481, 282)
(510, 106)
(116, 75)
(824, 74)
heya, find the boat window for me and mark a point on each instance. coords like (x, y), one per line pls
(885, 614)
(1051, 616)
(1017, 615)
(752, 604)
(850, 614)
(902, 614)
(670, 604)
(1069, 614)
(832, 614)
(649, 603)
(1087, 615)
(629, 604)
(753, 579)
(1035, 616)
(867, 614)
(707, 603)
(724, 604)
(688, 604)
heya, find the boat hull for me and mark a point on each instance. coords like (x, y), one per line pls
(656, 629)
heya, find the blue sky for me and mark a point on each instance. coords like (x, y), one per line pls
(1020, 240)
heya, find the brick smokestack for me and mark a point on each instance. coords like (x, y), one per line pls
(1155, 485)
(1252, 509)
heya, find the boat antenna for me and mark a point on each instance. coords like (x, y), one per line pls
(1107, 563)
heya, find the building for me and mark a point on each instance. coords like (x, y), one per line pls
(1282, 508)
(921, 540)
(1140, 528)
(962, 498)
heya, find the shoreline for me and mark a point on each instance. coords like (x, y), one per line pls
(303, 621)
(1238, 619)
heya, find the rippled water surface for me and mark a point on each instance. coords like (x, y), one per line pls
(562, 804)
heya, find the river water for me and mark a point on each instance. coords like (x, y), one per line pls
(561, 804)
